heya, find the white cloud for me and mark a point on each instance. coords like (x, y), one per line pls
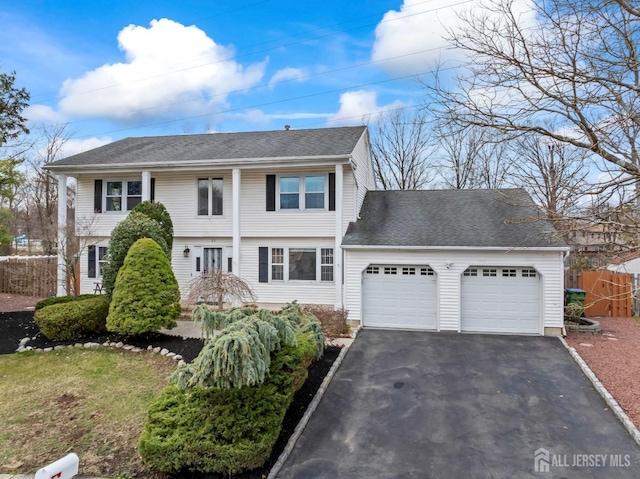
(73, 147)
(156, 73)
(359, 106)
(287, 74)
(42, 113)
(414, 39)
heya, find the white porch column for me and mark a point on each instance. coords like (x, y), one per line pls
(146, 185)
(235, 262)
(62, 235)
(337, 251)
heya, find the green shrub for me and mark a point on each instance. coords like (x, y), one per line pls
(224, 431)
(73, 319)
(146, 296)
(128, 231)
(62, 299)
(158, 212)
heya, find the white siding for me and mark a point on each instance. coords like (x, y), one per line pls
(281, 292)
(178, 193)
(364, 177)
(548, 264)
(255, 221)
(348, 200)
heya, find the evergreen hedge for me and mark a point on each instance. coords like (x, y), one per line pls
(73, 319)
(158, 212)
(227, 431)
(61, 299)
(146, 296)
(128, 231)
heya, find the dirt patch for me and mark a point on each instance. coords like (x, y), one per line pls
(614, 357)
(14, 302)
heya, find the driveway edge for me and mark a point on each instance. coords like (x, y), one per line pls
(310, 410)
(606, 395)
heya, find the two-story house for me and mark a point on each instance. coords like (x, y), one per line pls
(293, 213)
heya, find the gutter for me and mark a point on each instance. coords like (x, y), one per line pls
(458, 248)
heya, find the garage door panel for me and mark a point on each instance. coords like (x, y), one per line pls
(500, 300)
(404, 301)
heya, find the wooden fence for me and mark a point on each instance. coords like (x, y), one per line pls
(608, 293)
(29, 275)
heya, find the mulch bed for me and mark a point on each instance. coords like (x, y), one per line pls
(614, 357)
(15, 326)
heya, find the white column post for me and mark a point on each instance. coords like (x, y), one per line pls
(337, 251)
(235, 262)
(62, 235)
(146, 185)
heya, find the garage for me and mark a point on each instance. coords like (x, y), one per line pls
(399, 296)
(498, 299)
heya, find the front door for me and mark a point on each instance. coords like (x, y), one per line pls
(211, 259)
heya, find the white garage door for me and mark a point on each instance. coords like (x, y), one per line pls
(501, 300)
(397, 296)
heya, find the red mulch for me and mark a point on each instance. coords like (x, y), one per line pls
(614, 357)
(15, 302)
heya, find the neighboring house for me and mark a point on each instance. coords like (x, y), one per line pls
(293, 212)
(626, 264)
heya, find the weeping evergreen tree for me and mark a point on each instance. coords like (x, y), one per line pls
(240, 354)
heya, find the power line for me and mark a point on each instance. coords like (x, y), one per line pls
(279, 46)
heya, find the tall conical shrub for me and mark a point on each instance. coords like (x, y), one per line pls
(146, 296)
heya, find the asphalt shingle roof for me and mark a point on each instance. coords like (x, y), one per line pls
(451, 218)
(221, 146)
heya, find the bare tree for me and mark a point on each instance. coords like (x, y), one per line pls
(78, 237)
(574, 63)
(218, 287)
(400, 150)
(555, 174)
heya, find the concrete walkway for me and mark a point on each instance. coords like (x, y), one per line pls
(433, 405)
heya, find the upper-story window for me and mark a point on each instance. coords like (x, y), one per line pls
(303, 192)
(122, 195)
(209, 196)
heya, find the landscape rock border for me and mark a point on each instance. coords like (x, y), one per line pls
(23, 347)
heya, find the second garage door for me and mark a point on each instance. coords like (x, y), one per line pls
(501, 300)
(397, 296)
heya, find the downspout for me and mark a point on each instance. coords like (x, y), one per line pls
(355, 180)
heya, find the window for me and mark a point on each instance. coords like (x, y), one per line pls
(509, 273)
(471, 272)
(290, 193)
(302, 192)
(529, 273)
(123, 193)
(390, 270)
(210, 196)
(277, 264)
(428, 271)
(326, 264)
(302, 264)
(409, 271)
(96, 256)
(489, 272)
(373, 270)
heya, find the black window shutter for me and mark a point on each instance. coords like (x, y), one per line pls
(332, 191)
(230, 265)
(263, 264)
(97, 197)
(152, 193)
(271, 192)
(92, 262)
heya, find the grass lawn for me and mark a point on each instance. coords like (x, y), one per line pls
(91, 402)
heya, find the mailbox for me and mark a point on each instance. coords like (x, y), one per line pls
(64, 468)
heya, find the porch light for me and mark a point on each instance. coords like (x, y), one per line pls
(186, 251)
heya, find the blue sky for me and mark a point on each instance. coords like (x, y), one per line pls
(116, 69)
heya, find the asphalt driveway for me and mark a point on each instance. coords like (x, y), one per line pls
(436, 405)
